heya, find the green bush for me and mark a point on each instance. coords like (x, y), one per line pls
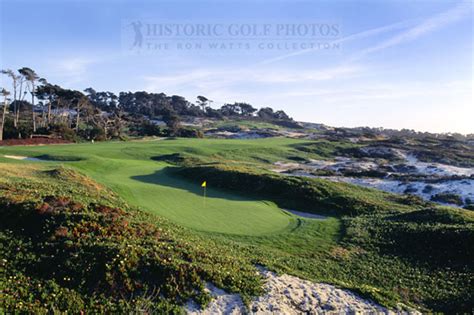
(23, 131)
(189, 133)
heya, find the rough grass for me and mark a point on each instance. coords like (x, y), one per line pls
(391, 249)
(61, 254)
(325, 148)
(401, 251)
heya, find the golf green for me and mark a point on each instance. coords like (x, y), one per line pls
(128, 169)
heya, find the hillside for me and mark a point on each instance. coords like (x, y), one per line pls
(137, 208)
(236, 157)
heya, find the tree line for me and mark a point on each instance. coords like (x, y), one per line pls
(33, 106)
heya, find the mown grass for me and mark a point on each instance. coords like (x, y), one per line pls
(128, 168)
(392, 249)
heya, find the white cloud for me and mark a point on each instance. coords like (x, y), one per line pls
(371, 91)
(295, 76)
(426, 26)
(435, 106)
(356, 36)
(73, 70)
(75, 66)
(209, 80)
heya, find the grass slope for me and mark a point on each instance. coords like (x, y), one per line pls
(398, 252)
(71, 245)
(128, 169)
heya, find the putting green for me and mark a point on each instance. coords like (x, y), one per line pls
(128, 169)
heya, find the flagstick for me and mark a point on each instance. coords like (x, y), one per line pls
(205, 196)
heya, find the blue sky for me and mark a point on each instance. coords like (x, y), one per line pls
(395, 64)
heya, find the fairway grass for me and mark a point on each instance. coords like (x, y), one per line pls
(149, 186)
(128, 168)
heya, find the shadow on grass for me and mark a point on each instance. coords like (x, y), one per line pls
(58, 158)
(166, 177)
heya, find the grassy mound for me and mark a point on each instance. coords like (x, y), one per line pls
(430, 253)
(390, 248)
(97, 255)
(325, 148)
(310, 194)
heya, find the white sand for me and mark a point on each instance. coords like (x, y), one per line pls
(286, 294)
(423, 188)
(307, 215)
(461, 187)
(22, 158)
(438, 168)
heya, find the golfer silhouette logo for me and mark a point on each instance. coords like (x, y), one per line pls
(137, 28)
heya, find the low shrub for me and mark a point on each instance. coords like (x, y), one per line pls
(448, 198)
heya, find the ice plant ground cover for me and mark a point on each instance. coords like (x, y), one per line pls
(81, 199)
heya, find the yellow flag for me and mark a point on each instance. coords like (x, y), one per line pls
(204, 184)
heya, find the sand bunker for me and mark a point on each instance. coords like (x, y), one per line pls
(307, 215)
(22, 158)
(286, 294)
